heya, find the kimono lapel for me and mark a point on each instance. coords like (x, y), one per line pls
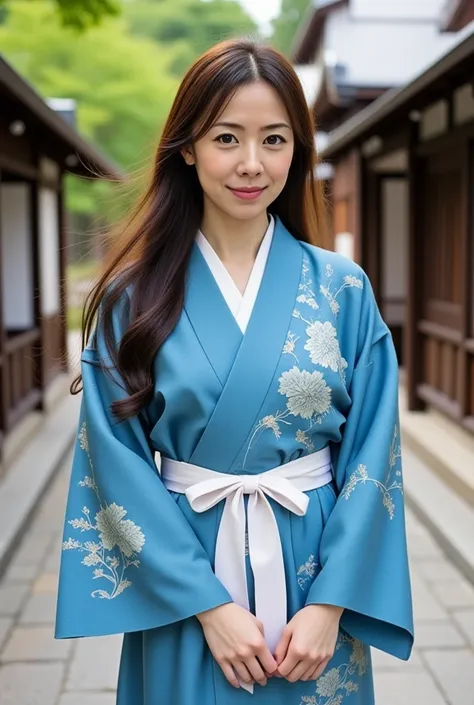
(255, 358)
(211, 319)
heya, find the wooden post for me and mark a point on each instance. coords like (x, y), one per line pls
(413, 350)
(3, 357)
(39, 373)
(62, 244)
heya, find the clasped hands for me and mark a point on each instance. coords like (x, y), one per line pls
(236, 640)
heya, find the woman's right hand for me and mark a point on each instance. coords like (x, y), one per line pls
(235, 638)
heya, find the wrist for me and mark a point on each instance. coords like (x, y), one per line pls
(333, 609)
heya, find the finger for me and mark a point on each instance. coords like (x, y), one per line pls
(242, 671)
(300, 668)
(307, 675)
(289, 663)
(282, 646)
(261, 627)
(256, 671)
(320, 668)
(229, 673)
(266, 659)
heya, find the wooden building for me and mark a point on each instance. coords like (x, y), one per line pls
(404, 189)
(37, 148)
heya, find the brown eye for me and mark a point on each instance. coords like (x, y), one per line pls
(275, 137)
(220, 138)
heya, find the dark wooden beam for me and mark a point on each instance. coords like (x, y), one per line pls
(413, 350)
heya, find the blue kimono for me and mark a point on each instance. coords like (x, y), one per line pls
(316, 367)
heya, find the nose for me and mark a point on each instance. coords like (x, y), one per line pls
(251, 164)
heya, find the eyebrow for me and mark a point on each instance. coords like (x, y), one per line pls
(236, 126)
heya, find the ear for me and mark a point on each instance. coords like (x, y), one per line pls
(188, 155)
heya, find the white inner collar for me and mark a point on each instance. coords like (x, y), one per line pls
(240, 305)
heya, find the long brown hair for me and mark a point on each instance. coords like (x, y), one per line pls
(152, 260)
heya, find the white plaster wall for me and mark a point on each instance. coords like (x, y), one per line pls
(412, 9)
(17, 260)
(49, 252)
(383, 51)
(434, 120)
(394, 247)
(464, 103)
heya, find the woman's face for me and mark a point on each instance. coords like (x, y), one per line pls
(250, 146)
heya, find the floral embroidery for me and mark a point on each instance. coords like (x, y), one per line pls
(307, 392)
(390, 485)
(349, 281)
(302, 438)
(308, 296)
(114, 533)
(268, 422)
(338, 679)
(289, 346)
(306, 571)
(323, 347)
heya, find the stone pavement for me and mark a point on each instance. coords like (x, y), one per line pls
(37, 670)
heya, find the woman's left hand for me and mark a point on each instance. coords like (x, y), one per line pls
(308, 642)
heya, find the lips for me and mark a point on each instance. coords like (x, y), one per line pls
(247, 193)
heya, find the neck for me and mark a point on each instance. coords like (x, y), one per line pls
(234, 241)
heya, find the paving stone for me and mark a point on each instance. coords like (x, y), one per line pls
(35, 644)
(410, 688)
(54, 559)
(95, 664)
(423, 547)
(88, 699)
(40, 609)
(382, 661)
(20, 573)
(46, 582)
(30, 684)
(12, 596)
(454, 670)
(436, 635)
(465, 621)
(5, 626)
(454, 593)
(425, 606)
(32, 549)
(437, 570)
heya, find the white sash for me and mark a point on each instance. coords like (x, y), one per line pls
(286, 485)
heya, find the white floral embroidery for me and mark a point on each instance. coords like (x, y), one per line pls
(306, 571)
(307, 393)
(114, 532)
(389, 486)
(302, 438)
(323, 347)
(338, 679)
(271, 422)
(289, 346)
(349, 281)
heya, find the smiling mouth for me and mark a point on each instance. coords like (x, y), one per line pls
(247, 193)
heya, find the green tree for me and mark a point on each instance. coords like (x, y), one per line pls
(122, 86)
(187, 27)
(79, 14)
(286, 25)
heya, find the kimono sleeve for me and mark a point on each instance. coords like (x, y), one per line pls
(363, 551)
(130, 560)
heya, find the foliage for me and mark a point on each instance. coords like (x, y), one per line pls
(122, 86)
(81, 14)
(186, 28)
(287, 24)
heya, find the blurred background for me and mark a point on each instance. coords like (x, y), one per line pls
(85, 88)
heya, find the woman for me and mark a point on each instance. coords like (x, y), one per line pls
(268, 551)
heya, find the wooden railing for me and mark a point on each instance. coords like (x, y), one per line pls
(448, 371)
(20, 376)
